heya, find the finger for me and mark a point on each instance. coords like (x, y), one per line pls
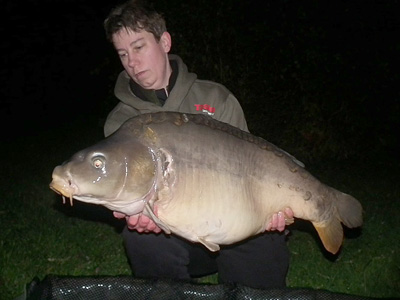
(280, 221)
(118, 215)
(289, 213)
(143, 221)
(131, 221)
(151, 226)
(269, 226)
(274, 222)
(289, 216)
(140, 229)
(157, 230)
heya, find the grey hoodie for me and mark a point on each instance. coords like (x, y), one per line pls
(189, 95)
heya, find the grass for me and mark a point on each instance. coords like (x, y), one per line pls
(40, 236)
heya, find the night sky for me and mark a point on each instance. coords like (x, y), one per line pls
(58, 66)
(54, 53)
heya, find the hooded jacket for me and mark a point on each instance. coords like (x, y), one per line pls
(188, 95)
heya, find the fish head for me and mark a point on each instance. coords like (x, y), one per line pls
(118, 172)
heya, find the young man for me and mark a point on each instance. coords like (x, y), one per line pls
(152, 81)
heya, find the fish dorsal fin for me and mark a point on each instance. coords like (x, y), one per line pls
(161, 224)
(209, 245)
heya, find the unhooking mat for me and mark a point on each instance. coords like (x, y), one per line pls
(124, 288)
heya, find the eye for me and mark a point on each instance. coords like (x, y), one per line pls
(98, 162)
(122, 55)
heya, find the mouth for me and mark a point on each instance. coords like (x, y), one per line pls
(140, 74)
(63, 188)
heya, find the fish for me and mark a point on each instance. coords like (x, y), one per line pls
(203, 180)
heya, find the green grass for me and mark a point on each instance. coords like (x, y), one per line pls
(40, 236)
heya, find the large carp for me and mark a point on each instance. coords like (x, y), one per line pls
(209, 182)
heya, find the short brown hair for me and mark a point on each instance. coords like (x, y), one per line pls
(134, 15)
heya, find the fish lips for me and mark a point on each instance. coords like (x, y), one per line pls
(64, 187)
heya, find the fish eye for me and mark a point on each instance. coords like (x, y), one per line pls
(98, 162)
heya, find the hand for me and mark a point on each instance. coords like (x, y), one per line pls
(139, 222)
(280, 220)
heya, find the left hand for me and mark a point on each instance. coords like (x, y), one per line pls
(139, 222)
(280, 220)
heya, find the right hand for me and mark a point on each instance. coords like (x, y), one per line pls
(139, 222)
(280, 220)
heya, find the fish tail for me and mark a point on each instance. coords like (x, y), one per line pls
(348, 212)
(349, 209)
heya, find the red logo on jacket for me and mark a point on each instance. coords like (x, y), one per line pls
(205, 108)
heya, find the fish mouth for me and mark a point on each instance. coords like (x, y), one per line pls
(63, 187)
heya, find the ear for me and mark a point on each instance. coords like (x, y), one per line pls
(166, 42)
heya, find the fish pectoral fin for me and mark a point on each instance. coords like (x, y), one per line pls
(156, 220)
(331, 235)
(209, 245)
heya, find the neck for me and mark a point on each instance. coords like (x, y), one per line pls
(167, 75)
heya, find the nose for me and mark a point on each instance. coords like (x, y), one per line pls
(133, 61)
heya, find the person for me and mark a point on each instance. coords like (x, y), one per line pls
(154, 80)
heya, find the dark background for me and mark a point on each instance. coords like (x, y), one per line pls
(318, 78)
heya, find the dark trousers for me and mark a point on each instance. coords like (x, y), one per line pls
(258, 262)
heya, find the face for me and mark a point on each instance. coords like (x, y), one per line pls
(144, 59)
